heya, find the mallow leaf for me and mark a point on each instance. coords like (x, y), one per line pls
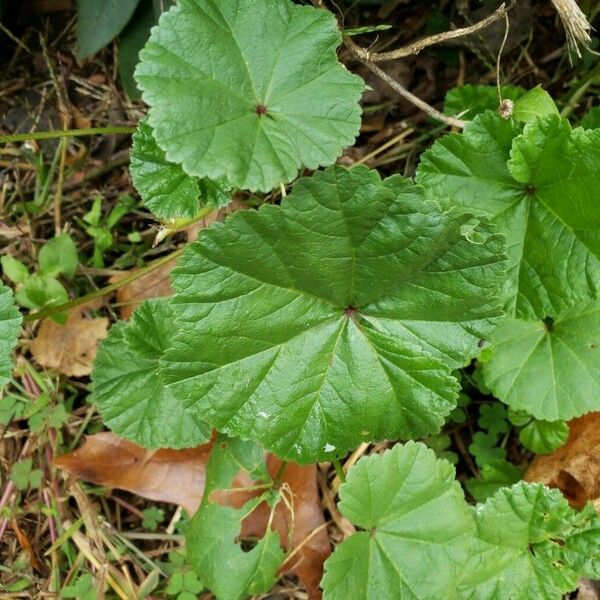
(213, 547)
(414, 523)
(543, 437)
(250, 92)
(536, 103)
(10, 327)
(494, 474)
(592, 119)
(560, 166)
(128, 389)
(334, 318)
(549, 368)
(470, 100)
(538, 186)
(165, 188)
(530, 544)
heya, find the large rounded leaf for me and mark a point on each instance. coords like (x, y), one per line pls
(550, 368)
(249, 91)
(540, 187)
(129, 392)
(417, 524)
(530, 544)
(335, 318)
(10, 326)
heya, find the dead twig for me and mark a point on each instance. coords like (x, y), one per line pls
(438, 38)
(401, 90)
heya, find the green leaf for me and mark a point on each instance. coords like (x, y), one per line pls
(548, 368)
(14, 269)
(131, 41)
(128, 390)
(366, 29)
(23, 475)
(82, 589)
(11, 407)
(591, 119)
(153, 517)
(415, 521)
(99, 21)
(544, 204)
(10, 327)
(560, 165)
(249, 92)
(485, 449)
(494, 418)
(291, 317)
(212, 537)
(495, 474)
(536, 103)
(530, 544)
(543, 437)
(58, 256)
(164, 187)
(39, 291)
(471, 100)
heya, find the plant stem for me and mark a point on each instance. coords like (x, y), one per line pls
(279, 476)
(339, 470)
(50, 135)
(53, 310)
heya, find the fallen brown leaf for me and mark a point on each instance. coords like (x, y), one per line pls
(175, 476)
(575, 467)
(155, 284)
(69, 349)
(178, 477)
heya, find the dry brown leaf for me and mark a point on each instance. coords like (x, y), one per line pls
(178, 476)
(175, 476)
(69, 349)
(155, 284)
(575, 467)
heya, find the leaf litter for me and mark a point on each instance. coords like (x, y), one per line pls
(179, 477)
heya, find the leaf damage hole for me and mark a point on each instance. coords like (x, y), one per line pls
(261, 110)
(350, 311)
(548, 323)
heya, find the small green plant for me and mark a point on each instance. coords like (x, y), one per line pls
(344, 311)
(82, 588)
(57, 257)
(153, 517)
(183, 582)
(24, 476)
(101, 228)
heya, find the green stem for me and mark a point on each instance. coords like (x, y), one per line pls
(339, 470)
(279, 476)
(50, 135)
(53, 310)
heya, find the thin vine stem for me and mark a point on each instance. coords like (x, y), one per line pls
(53, 310)
(279, 477)
(339, 470)
(50, 135)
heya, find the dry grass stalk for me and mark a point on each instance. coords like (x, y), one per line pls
(576, 25)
